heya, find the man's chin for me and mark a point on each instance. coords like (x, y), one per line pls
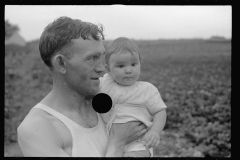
(90, 96)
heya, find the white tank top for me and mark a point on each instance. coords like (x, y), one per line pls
(86, 142)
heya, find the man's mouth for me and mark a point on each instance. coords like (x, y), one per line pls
(95, 78)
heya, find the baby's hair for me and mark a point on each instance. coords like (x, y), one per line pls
(120, 45)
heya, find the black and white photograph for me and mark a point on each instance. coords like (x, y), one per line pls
(118, 81)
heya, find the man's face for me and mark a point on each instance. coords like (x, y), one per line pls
(125, 68)
(85, 66)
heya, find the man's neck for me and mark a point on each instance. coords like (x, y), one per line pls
(64, 100)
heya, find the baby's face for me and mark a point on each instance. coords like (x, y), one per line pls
(125, 68)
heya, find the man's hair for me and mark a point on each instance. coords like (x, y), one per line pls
(57, 36)
(120, 45)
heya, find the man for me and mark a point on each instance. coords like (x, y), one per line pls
(64, 123)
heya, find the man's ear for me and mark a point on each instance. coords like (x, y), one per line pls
(59, 63)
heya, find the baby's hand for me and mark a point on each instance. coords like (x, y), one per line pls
(151, 139)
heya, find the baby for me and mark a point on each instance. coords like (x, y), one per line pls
(132, 100)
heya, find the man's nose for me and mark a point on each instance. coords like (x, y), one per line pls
(100, 68)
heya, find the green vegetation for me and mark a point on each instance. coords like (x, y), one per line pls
(193, 77)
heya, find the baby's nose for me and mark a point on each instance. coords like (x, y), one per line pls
(128, 71)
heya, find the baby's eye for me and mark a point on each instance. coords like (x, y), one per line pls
(134, 64)
(120, 66)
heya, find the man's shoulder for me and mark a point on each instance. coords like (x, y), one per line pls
(35, 118)
(37, 134)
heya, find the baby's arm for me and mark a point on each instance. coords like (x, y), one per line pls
(152, 137)
(159, 120)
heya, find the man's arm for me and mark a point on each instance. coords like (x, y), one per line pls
(38, 138)
(115, 149)
(121, 135)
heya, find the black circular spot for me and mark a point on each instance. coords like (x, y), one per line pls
(102, 103)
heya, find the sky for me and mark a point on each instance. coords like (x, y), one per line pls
(136, 22)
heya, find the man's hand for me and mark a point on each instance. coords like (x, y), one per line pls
(122, 134)
(127, 132)
(151, 139)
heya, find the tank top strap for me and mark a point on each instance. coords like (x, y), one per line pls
(51, 111)
(85, 141)
(65, 120)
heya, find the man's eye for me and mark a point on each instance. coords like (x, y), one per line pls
(95, 57)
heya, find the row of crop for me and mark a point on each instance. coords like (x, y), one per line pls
(198, 99)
